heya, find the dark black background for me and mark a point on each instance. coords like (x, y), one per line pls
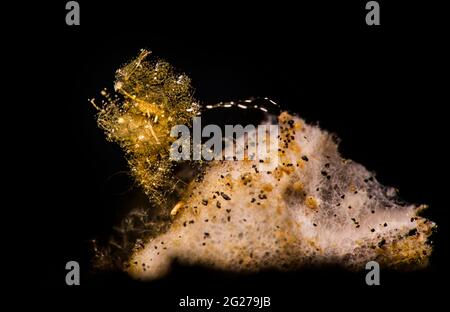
(377, 87)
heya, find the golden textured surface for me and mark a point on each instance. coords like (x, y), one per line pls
(150, 99)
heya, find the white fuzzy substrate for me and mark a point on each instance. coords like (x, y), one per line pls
(314, 208)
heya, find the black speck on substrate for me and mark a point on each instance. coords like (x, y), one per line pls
(225, 196)
(412, 232)
(205, 202)
(305, 158)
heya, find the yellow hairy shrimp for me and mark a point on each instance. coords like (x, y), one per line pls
(150, 99)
